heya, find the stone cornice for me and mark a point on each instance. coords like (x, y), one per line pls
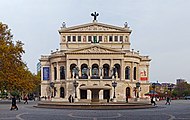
(95, 27)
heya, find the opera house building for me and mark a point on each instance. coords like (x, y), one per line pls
(94, 63)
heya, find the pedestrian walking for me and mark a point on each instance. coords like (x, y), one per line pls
(168, 101)
(14, 106)
(25, 99)
(72, 99)
(153, 101)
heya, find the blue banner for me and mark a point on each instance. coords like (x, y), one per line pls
(45, 73)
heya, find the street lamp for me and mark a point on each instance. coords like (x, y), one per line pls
(75, 83)
(137, 86)
(114, 84)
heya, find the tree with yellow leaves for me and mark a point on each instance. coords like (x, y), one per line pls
(14, 74)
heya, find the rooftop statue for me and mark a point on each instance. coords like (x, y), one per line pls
(94, 15)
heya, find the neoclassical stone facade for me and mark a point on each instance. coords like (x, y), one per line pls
(91, 57)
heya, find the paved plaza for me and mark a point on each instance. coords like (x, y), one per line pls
(178, 110)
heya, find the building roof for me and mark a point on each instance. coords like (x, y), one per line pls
(95, 27)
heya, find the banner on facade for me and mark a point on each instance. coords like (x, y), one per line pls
(45, 73)
(143, 74)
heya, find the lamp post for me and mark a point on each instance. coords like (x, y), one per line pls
(75, 83)
(137, 87)
(114, 84)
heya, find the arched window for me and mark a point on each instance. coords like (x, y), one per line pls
(84, 71)
(55, 73)
(62, 72)
(106, 68)
(73, 69)
(62, 92)
(135, 73)
(127, 72)
(95, 70)
(116, 69)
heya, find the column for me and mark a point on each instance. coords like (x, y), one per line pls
(122, 71)
(89, 66)
(138, 73)
(111, 68)
(90, 72)
(58, 91)
(89, 95)
(58, 71)
(131, 71)
(78, 92)
(78, 65)
(147, 66)
(100, 69)
(52, 73)
(101, 95)
(67, 69)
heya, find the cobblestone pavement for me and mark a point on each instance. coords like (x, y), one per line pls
(178, 110)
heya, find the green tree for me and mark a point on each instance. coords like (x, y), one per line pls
(182, 89)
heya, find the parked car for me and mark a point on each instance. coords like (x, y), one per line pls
(187, 97)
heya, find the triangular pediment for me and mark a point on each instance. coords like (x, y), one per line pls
(96, 27)
(94, 49)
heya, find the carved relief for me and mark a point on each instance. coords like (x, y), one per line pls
(94, 50)
(105, 39)
(126, 39)
(63, 39)
(95, 28)
(84, 38)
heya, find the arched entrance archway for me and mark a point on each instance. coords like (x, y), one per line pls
(128, 93)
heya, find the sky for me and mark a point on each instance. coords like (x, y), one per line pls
(160, 28)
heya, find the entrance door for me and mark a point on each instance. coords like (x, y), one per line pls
(106, 94)
(128, 92)
(95, 95)
(83, 94)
